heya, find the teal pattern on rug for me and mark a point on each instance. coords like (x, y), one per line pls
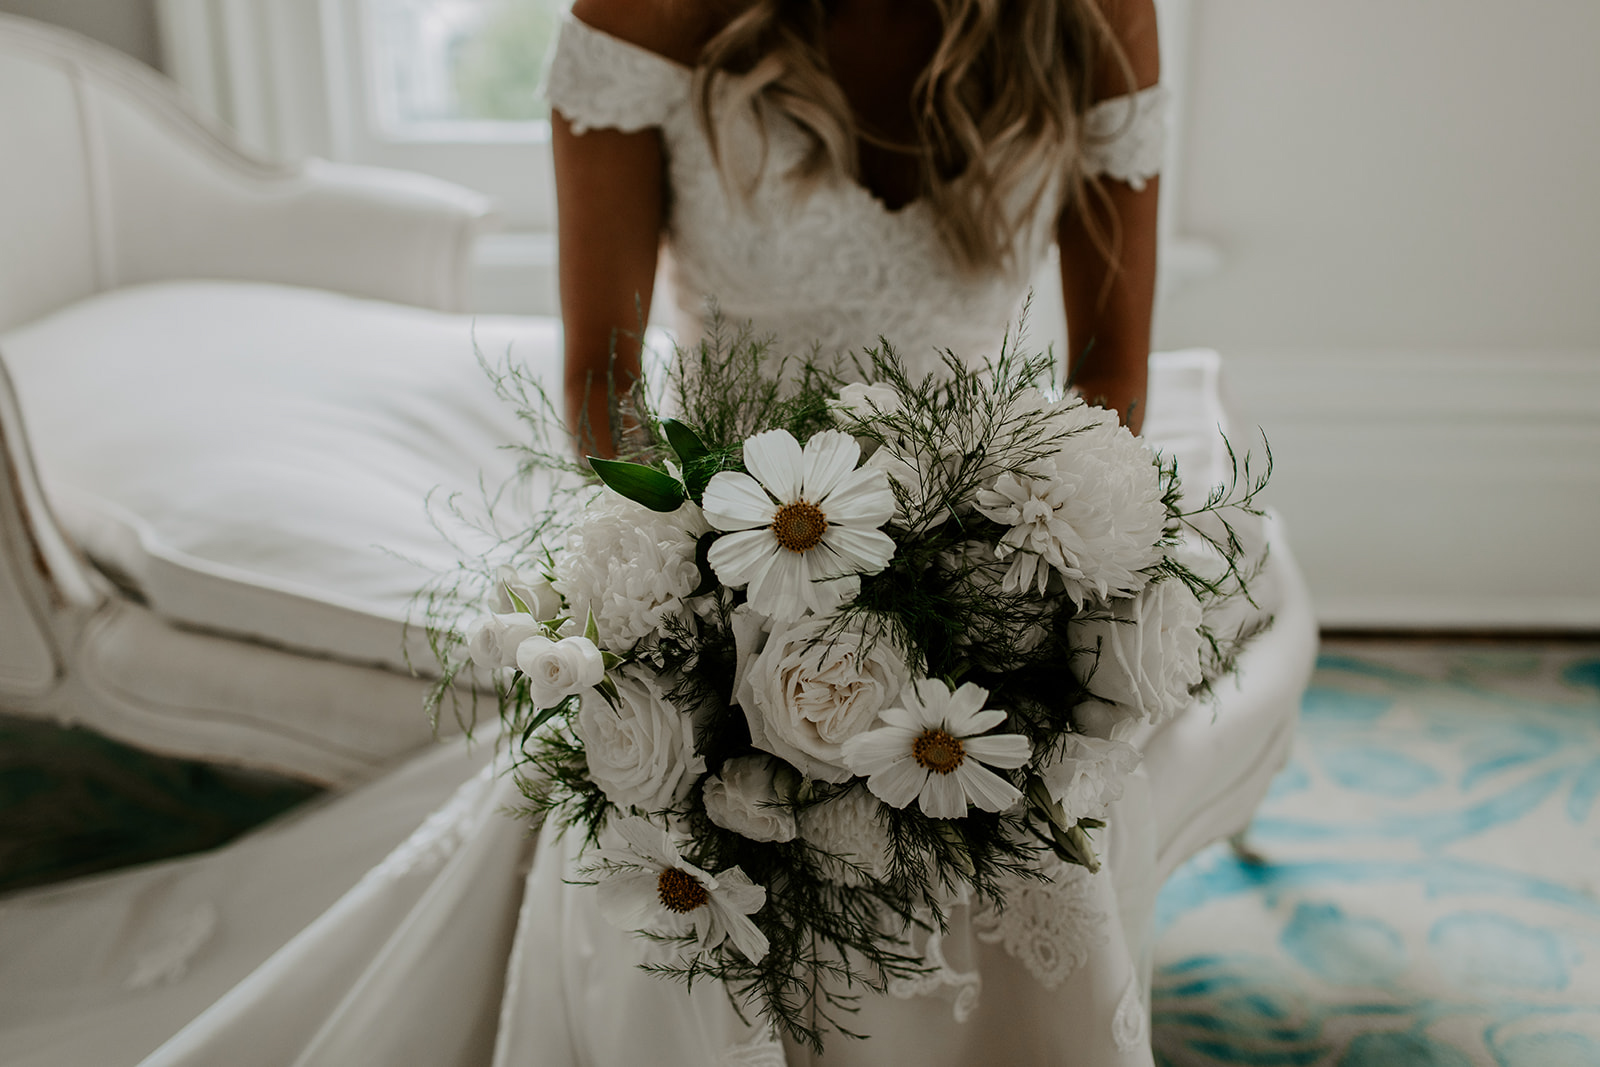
(1429, 886)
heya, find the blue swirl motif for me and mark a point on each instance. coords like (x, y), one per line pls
(1431, 894)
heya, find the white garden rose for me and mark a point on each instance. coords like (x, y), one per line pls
(812, 686)
(1149, 651)
(744, 798)
(493, 640)
(1091, 514)
(1088, 776)
(629, 565)
(640, 753)
(864, 401)
(533, 590)
(559, 669)
(850, 833)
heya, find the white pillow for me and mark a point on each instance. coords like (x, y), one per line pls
(256, 458)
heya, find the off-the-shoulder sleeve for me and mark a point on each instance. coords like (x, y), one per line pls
(1126, 136)
(599, 81)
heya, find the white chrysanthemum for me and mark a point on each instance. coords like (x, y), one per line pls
(1092, 513)
(653, 889)
(851, 836)
(629, 565)
(930, 751)
(804, 527)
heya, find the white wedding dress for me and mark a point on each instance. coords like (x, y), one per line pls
(413, 921)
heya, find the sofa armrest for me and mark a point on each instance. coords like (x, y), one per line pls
(113, 180)
(365, 231)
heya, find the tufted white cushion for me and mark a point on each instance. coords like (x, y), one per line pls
(255, 458)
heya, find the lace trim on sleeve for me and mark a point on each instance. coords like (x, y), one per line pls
(599, 81)
(1126, 136)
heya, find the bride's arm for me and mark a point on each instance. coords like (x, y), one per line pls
(609, 203)
(1109, 298)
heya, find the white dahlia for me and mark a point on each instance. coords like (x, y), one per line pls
(804, 523)
(930, 751)
(629, 565)
(849, 833)
(1092, 513)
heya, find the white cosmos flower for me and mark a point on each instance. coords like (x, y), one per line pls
(929, 751)
(803, 527)
(652, 888)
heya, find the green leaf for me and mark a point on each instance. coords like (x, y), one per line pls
(590, 630)
(516, 601)
(656, 490)
(684, 441)
(609, 660)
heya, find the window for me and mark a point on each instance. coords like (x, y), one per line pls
(449, 87)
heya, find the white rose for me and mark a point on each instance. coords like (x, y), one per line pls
(1088, 776)
(849, 832)
(863, 401)
(812, 687)
(745, 800)
(1149, 651)
(642, 752)
(536, 592)
(493, 640)
(558, 669)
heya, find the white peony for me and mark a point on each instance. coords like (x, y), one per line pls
(850, 833)
(641, 753)
(559, 669)
(629, 565)
(535, 591)
(1092, 513)
(493, 640)
(1149, 651)
(810, 686)
(1088, 776)
(744, 799)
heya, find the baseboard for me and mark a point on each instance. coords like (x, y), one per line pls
(1435, 489)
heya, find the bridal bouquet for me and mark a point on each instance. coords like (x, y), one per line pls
(820, 660)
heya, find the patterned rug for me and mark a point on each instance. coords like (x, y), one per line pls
(1425, 896)
(1427, 889)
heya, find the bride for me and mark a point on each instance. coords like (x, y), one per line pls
(829, 171)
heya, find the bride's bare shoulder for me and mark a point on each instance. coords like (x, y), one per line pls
(677, 29)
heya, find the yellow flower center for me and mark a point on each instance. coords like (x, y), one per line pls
(799, 526)
(680, 891)
(938, 752)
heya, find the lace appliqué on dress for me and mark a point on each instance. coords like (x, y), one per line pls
(601, 82)
(941, 978)
(763, 1049)
(1049, 926)
(1130, 1027)
(1126, 136)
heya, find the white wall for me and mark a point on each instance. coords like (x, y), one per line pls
(129, 25)
(1406, 197)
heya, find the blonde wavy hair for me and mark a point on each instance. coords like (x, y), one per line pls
(1003, 97)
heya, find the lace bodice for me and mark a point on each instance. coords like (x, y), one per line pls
(833, 265)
